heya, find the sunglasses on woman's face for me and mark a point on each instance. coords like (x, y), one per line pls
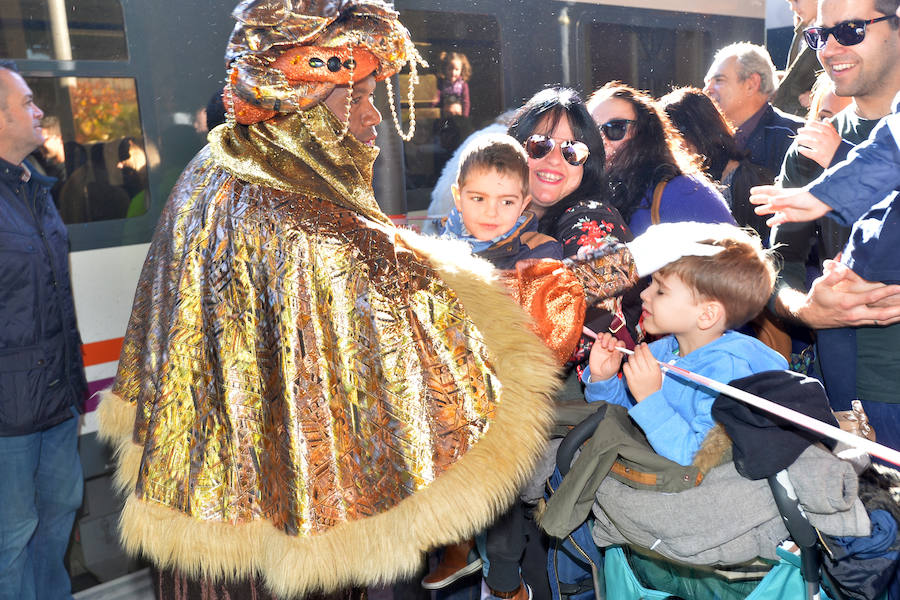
(574, 152)
(615, 129)
(846, 33)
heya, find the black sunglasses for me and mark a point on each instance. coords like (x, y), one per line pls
(574, 152)
(615, 129)
(846, 33)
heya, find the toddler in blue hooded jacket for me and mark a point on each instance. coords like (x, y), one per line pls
(695, 303)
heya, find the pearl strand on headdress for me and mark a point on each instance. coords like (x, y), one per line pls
(414, 61)
(228, 98)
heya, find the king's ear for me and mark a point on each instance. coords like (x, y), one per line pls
(713, 313)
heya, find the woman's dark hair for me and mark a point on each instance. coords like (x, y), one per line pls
(552, 104)
(703, 127)
(653, 153)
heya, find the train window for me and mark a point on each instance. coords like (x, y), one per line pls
(649, 58)
(62, 30)
(461, 91)
(94, 147)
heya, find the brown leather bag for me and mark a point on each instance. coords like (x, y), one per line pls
(657, 197)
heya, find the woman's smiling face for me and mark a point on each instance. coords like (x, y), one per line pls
(551, 178)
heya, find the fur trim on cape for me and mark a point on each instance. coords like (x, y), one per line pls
(384, 547)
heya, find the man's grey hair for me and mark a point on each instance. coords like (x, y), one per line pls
(751, 59)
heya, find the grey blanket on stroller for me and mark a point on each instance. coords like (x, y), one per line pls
(729, 519)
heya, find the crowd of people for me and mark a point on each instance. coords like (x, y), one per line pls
(695, 155)
(308, 398)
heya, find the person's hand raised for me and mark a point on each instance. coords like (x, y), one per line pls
(818, 141)
(787, 205)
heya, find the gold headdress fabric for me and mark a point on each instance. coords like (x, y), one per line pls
(288, 55)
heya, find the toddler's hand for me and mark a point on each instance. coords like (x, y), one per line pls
(642, 373)
(605, 359)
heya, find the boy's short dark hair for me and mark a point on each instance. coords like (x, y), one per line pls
(494, 152)
(741, 277)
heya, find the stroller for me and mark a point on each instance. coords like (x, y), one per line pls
(633, 567)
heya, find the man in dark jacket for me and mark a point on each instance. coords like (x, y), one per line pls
(802, 64)
(41, 375)
(741, 80)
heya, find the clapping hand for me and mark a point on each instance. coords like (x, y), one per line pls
(788, 205)
(818, 141)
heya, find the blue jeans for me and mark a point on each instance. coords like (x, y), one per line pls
(41, 485)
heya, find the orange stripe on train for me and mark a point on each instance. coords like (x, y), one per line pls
(101, 352)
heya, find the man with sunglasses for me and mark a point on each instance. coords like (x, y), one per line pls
(741, 81)
(858, 44)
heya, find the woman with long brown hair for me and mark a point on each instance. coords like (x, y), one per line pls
(645, 159)
(709, 135)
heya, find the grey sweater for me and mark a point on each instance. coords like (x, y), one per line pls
(729, 519)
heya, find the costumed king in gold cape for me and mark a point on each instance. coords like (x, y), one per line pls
(309, 398)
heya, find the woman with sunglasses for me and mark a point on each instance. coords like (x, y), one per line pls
(566, 170)
(567, 186)
(643, 150)
(709, 136)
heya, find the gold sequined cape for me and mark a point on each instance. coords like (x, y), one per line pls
(307, 394)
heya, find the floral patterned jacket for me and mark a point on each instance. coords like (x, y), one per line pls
(587, 223)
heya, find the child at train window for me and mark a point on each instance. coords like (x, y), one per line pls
(490, 198)
(453, 90)
(695, 302)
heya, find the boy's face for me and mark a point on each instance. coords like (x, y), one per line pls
(489, 202)
(670, 307)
